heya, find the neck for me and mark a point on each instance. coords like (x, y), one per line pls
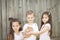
(45, 22)
(17, 32)
(30, 23)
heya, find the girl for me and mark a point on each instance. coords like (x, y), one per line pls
(46, 27)
(15, 32)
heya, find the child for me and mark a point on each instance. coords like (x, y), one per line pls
(15, 32)
(30, 19)
(46, 27)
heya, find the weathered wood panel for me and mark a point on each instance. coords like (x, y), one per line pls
(0, 20)
(4, 21)
(18, 8)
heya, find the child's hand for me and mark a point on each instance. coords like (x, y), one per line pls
(29, 33)
(33, 33)
(25, 35)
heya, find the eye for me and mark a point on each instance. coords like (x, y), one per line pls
(45, 17)
(13, 26)
(28, 17)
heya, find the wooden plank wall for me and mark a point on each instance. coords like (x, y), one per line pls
(0, 21)
(18, 8)
(58, 15)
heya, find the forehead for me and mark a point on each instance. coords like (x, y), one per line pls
(45, 15)
(30, 15)
(15, 23)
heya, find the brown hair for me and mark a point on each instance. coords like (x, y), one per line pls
(49, 21)
(29, 12)
(11, 32)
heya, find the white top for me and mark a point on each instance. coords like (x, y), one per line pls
(35, 29)
(18, 37)
(45, 35)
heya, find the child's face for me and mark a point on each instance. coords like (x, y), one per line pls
(15, 26)
(45, 18)
(30, 18)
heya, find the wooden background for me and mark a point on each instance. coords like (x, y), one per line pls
(18, 8)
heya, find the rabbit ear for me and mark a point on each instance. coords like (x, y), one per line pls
(10, 19)
(49, 13)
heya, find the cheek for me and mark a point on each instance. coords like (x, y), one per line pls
(13, 28)
(18, 27)
(44, 20)
(27, 19)
(47, 19)
(32, 18)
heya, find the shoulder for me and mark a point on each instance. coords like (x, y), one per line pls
(48, 24)
(35, 23)
(25, 24)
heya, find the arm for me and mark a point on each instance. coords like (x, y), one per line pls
(23, 36)
(45, 28)
(9, 37)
